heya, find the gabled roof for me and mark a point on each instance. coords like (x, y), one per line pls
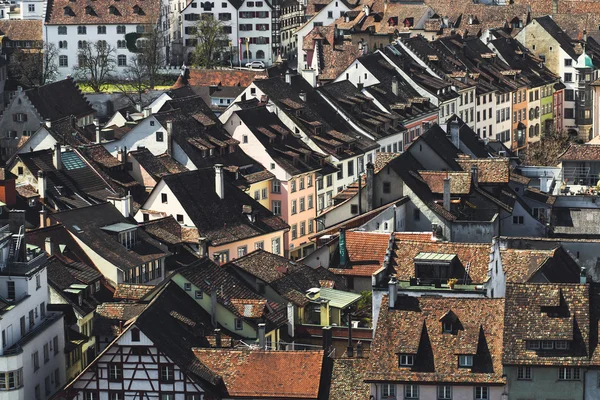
(460, 182)
(86, 225)
(59, 100)
(157, 166)
(292, 374)
(212, 77)
(220, 220)
(550, 312)
(21, 29)
(63, 243)
(289, 279)
(209, 276)
(555, 265)
(132, 292)
(366, 252)
(489, 170)
(110, 318)
(550, 26)
(414, 326)
(581, 152)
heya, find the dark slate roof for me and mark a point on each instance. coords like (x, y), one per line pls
(232, 291)
(285, 147)
(289, 279)
(469, 138)
(220, 220)
(86, 225)
(63, 243)
(59, 99)
(166, 230)
(565, 42)
(436, 138)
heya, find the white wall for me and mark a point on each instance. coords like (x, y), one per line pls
(171, 207)
(142, 135)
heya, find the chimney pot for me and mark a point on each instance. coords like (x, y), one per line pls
(302, 96)
(395, 86)
(393, 292)
(48, 123)
(370, 186)
(475, 175)
(218, 343)
(169, 137)
(41, 179)
(288, 77)
(146, 112)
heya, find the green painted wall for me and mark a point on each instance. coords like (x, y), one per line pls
(544, 385)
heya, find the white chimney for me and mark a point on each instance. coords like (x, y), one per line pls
(41, 180)
(48, 246)
(57, 157)
(219, 181)
(169, 137)
(447, 193)
(146, 112)
(261, 336)
(393, 291)
(395, 85)
(302, 96)
(43, 214)
(48, 123)
(97, 124)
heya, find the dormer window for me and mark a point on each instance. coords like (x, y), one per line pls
(561, 345)
(138, 10)
(533, 344)
(547, 345)
(465, 361)
(407, 360)
(128, 238)
(446, 327)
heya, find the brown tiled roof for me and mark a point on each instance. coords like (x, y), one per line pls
(249, 308)
(490, 170)
(539, 196)
(518, 178)
(203, 77)
(556, 265)
(27, 191)
(347, 379)
(548, 312)
(460, 182)
(126, 291)
(127, 12)
(581, 152)
(22, 29)
(111, 317)
(475, 256)
(366, 251)
(291, 374)
(415, 326)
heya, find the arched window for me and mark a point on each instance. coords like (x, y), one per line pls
(62, 44)
(537, 129)
(531, 131)
(122, 60)
(102, 44)
(81, 44)
(121, 29)
(260, 55)
(247, 54)
(531, 113)
(537, 112)
(121, 44)
(81, 30)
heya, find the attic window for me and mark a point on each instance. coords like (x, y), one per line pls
(407, 360)
(135, 335)
(465, 361)
(446, 327)
(69, 11)
(138, 10)
(89, 10)
(113, 10)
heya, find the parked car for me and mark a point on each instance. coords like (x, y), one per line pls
(255, 64)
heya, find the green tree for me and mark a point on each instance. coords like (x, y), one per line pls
(212, 42)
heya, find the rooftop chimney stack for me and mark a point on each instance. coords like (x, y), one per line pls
(43, 214)
(393, 292)
(327, 339)
(475, 174)
(288, 77)
(454, 133)
(97, 125)
(213, 306)
(48, 246)
(350, 350)
(359, 349)
(219, 181)
(48, 123)
(41, 180)
(583, 275)
(57, 157)
(261, 336)
(218, 343)
(395, 85)
(169, 137)
(146, 112)
(370, 186)
(302, 96)
(447, 193)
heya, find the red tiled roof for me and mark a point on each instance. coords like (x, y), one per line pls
(266, 374)
(203, 77)
(581, 152)
(132, 292)
(22, 29)
(490, 170)
(460, 182)
(101, 12)
(366, 251)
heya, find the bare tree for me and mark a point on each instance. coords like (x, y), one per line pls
(547, 150)
(34, 67)
(134, 81)
(211, 41)
(96, 64)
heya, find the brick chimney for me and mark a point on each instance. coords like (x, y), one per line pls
(8, 191)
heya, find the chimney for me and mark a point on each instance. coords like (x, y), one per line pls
(138, 107)
(261, 336)
(218, 343)
(219, 182)
(48, 123)
(41, 180)
(57, 158)
(288, 77)
(213, 306)
(146, 112)
(342, 247)
(370, 185)
(217, 258)
(395, 85)
(393, 291)
(8, 189)
(169, 137)
(359, 349)
(310, 76)
(447, 193)
(584, 36)
(203, 246)
(97, 124)
(302, 96)
(453, 130)
(48, 246)
(327, 339)
(446, 22)
(43, 214)
(475, 174)
(350, 349)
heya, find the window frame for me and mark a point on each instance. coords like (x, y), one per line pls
(524, 373)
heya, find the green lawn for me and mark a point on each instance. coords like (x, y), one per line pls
(112, 88)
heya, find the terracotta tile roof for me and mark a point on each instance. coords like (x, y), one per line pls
(460, 182)
(101, 156)
(490, 170)
(347, 379)
(66, 12)
(415, 327)
(22, 29)
(550, 312)
(581, 152)
(366, 251)
(515, 177)
(111, 317)
(292, 374)
(203, 77)
(475, 256)
(126, 291)
(27, 191)
(249, 308)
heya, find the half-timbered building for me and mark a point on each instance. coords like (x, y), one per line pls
(152, 358)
